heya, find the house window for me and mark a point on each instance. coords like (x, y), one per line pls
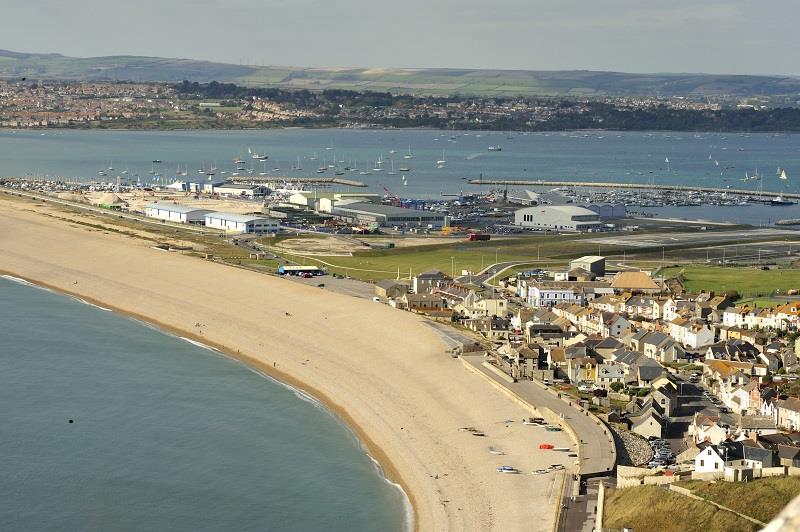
(702, 463)
(716, 465)
(709, 452)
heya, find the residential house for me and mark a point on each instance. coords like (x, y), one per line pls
(609, 372)
(715, 458)
(427, 281)
(648, 422)
(390, 289)
(691, 333)
(706, 428)
(788, 411)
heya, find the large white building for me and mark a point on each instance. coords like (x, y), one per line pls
(241, 223)
(237, 190)
(558, 218)
(176, 213)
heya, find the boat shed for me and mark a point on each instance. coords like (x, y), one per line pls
(173, 212)
(388, 215)
(241, 223)
(558, 218)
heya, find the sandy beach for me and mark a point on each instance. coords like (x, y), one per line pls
(381, 370)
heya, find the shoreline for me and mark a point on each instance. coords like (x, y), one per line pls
(385, 467)
(383, 373)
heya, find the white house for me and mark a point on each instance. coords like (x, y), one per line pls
(789, 413)
(691, 333)
(715, 458)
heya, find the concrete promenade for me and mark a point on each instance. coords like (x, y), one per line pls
(595, 445)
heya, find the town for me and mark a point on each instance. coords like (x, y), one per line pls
(58, 104)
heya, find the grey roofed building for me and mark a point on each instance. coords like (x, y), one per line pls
(627, 357)
(767, 457)
(380, 214)
(558, 218)
(648, 370)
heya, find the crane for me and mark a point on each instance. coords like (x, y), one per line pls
(391, 196)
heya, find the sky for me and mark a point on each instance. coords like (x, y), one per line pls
(713, 36)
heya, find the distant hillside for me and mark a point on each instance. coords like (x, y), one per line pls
(418, 81)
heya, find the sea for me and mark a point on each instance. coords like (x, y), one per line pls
(109, 424)
(699, 159)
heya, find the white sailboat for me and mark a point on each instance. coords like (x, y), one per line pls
(441, 162)
(378, 164)
(783, 175)
(408, 155)
(392, 172)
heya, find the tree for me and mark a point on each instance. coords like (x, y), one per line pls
(617, 386)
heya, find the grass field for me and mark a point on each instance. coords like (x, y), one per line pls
(653, 509)
(456, 256)
(761, 499)
(744, 280)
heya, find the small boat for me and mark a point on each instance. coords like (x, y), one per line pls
(779, 200)
(507, 469)
(495, 148)
(494, 450)
(404, 169)
(782, 175)
(442, 161)
(392, 172)
(156, 161)
(408, 155)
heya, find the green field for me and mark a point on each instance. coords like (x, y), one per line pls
(653, 509)
(760, 499)
(433, 81)
(746, 281)
(454, 257)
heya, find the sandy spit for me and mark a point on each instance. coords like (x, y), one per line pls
(382, 371)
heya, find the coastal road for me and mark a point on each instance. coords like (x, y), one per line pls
(598, 455)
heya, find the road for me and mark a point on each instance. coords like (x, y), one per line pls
(598, 455)
(699, 238)
(40, 196)
(691, 401)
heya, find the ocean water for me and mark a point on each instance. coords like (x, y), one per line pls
(166, 435)
(635, 157)
(699, 159)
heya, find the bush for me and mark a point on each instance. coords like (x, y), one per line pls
(616, 386)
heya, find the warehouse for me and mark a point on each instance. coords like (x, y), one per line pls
(608, 210)
(241, 223)
(234, 190)
(558, 218)
(590, 263)
(388, 215)
(172, 212)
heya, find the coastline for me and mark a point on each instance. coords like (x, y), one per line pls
(383, 372)
(386, 468)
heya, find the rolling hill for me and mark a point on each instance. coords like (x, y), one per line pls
(417, 81)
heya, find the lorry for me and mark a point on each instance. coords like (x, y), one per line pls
(478, 236)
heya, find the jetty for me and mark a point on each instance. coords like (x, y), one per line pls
(647, 186)
(298, 180)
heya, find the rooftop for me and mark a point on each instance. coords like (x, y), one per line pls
(239, 218)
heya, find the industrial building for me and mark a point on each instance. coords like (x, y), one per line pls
(608, 210)
(235, 190)
(558, 218)
(591, 263)
(241, 223)
(172, 212)
(388, 215)
(325, 201)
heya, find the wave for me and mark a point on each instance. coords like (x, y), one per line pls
(92, 304)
